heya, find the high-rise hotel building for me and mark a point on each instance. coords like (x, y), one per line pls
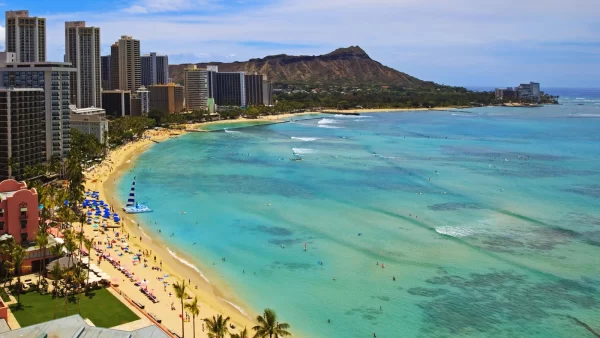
(25, 36)
(82, 50)
(195, 88)
(155, 69)
(125, 65)
(21, 130)
(54, 78)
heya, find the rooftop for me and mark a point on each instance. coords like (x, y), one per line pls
(75, 326)
(88, 111)
(49, 65)
(6, 194)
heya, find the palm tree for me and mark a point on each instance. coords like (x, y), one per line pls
(242, 334)
(69, 277)
(41, 240)
(18, 258)
(79, 280)
(194, 310)
(269, 326)
(89, 244)
(5, 251)
(217, 326)
(180, 293)
(56, 273)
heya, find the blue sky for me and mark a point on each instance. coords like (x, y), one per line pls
(455, 42)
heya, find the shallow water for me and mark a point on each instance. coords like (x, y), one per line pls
(487, 218)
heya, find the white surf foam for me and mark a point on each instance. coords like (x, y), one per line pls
(188, 264)
(236, 307)
(456, 231)
(232, 131)
(303, 151)
(469, 115)
(327, 126)
(305, 139)
(327, 121)
(585, 115)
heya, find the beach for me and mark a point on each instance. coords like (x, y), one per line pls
(103, 179)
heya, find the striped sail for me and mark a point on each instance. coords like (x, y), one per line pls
(131, 199)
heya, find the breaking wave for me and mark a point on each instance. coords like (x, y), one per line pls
(456, 231)
(305, 139)
(183, 261)
(303, 151)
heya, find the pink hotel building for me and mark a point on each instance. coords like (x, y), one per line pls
(19, 216)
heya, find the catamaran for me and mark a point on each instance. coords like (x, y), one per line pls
(132, 207)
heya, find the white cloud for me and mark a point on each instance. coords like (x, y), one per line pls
(158, 6)
(410, 35)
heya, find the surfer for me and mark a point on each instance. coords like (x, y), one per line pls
(394, 278)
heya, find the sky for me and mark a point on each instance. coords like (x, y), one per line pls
(453, 42)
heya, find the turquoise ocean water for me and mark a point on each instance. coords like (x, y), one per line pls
(489, 219)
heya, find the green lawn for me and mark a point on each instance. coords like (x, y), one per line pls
(4, 295)
(101, 307)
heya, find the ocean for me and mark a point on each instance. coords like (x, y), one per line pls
(469, 222)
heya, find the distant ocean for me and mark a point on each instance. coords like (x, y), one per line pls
(488, 219)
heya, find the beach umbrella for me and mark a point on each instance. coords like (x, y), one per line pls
(89, 213)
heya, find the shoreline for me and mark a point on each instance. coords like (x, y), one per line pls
(176, 263)
(391, 110)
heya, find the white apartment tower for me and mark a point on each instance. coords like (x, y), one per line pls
(144, 95)
(25, 36)
(82, 49)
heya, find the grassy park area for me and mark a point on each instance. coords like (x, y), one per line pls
(100, 306)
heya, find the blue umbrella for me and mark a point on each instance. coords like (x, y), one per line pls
(89, 213)
(66, 202)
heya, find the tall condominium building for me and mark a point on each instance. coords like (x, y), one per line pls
(21, 130)
(25, 36)
(105, 72)
(254, 89)
(155, 69)
(54, 79)
(167, 98)
(228, 89)
(82, 49)
(267, 92)
(144, 95)
(114, 66)
(126, 70)
(117, 102)
(196, 88)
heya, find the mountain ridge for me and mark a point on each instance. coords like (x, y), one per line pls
(347, 66)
